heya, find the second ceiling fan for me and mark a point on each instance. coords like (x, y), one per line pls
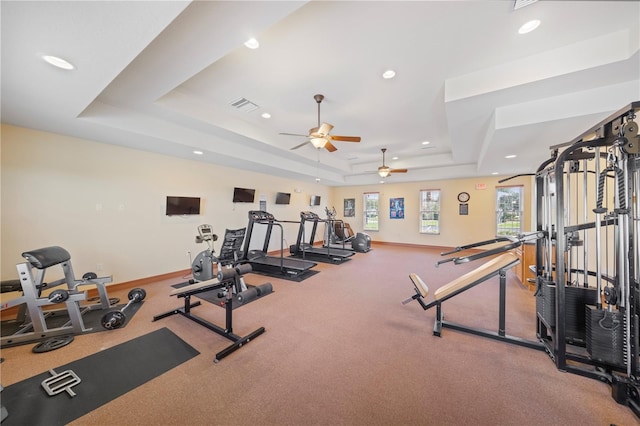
(384, 170)
(319, 136)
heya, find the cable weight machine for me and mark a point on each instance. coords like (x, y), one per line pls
(587, 265)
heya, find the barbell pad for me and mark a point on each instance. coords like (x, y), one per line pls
(264, 289)
(249, 295)
(244, 268)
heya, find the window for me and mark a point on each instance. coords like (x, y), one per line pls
(508, 210)
(371, 211)
(429, 211)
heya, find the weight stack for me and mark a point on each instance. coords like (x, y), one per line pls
(605, 336)
(574, 308)
(546, 303)
(576, 298)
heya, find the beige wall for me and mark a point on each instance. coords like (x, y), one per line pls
(105, 205)
(53, 187)
(455, 229)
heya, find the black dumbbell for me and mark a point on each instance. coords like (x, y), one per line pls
(115, 319)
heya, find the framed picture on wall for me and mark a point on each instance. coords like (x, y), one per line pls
(349, 207)
(396, 208)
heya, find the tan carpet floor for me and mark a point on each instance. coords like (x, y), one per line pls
(340, 349)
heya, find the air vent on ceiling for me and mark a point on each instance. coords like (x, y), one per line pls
(244, 104)
(519, 4)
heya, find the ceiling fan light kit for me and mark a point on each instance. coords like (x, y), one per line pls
(384, 170)
(319, 136)
(318, 142)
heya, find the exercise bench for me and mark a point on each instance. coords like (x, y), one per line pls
(31, 302)
(227, 279)
(497, 266)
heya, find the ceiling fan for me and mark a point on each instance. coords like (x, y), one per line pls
(385, 171)
(319, 136)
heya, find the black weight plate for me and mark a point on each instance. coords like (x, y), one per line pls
(90, 276)
(53, 343)
(137, 293)
(112, 320)
(58, 296)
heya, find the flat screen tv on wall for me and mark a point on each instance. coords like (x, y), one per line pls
(243, 195)
(283, 198)
(315, 200)
(177, 206)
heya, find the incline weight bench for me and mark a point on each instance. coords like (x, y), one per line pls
(497, 266)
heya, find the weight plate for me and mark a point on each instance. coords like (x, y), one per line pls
(137, 293)
(112, 320)
(53, 343)
(58, 296)
(90, 276)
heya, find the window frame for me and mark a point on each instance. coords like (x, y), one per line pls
(507, 231)
(369, 214)
(424, 229)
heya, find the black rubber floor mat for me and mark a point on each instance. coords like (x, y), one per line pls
(103, 376)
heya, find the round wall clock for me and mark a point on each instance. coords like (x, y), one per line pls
(464, 197)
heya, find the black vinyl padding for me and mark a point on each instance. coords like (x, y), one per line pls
(46, 257)
(8, 286)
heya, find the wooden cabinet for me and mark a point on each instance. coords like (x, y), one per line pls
(527, 255)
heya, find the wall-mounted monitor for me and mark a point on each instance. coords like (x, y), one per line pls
(182, 205)
(243, 195)
(283, 198)
(315, 200)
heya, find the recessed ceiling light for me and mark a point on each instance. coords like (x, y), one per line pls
(388, 74)
(266, 115)
(510, 156)
(426, 143)
(252, 43)
(394, 158)
(529, 26)
(58, 62)
(494, 173)
(382, 181)
(198, 152)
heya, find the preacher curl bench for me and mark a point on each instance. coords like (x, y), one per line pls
(34, 326)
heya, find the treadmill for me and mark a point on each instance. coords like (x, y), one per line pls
(275, 266)
(306, 250)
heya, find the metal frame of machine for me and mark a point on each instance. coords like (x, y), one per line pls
(587, 264)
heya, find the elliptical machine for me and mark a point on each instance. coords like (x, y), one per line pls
(339, 234)
(202, 267)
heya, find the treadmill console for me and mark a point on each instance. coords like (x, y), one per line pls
(309, 216)
(261, 216)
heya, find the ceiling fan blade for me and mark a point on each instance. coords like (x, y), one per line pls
(329, 147)
(299, 146)
(325, 128)
(345, 138)
(293, 134)
(398, 170)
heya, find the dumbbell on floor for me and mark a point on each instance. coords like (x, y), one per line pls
(115, 319)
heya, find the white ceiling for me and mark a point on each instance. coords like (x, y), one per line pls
(160, 76)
